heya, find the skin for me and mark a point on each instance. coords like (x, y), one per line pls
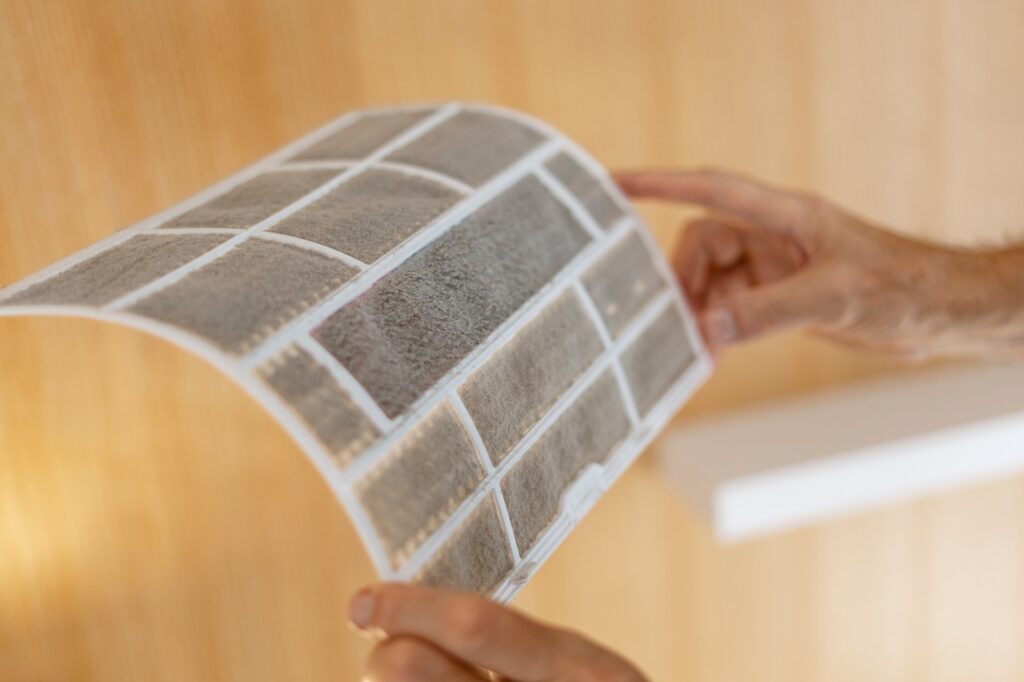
(762, 260)
(766, 260)
(429, 635)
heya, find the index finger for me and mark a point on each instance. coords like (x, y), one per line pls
(471, 628)
(728, 193)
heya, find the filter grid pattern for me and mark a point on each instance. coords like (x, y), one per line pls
(451, 309)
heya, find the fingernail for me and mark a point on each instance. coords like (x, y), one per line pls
(372, 633)
(360, 609)
(720, 327)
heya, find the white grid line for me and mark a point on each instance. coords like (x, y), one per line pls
(600, 174)
(305, 323)
(506, 521)
(660, 266)
(579, 210)
(313, 246)
(593, 314)
(319, 164)
(555, 287)
(65, 264)
(627, 393)
(637, 326)
(434, 542)
(642, 320)
(626, 453)
(569, 201)
(481, 450)
(428, 174)
(189, 230)
(474, 433)
(395, 166)
(574, 150)
(172, 277)
(620, 375)
(348, 383)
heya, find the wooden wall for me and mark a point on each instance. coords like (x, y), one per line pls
(155, 553)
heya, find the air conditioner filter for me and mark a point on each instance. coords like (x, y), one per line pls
(452, 310)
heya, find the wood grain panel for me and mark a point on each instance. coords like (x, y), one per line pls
(156, 525)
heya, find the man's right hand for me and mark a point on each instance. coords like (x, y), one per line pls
(766, 260)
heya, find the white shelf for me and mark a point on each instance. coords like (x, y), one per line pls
(800, 460)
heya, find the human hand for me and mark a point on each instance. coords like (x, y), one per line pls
(768, 259)
(432, 635)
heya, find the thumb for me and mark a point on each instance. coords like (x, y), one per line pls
(792, 302)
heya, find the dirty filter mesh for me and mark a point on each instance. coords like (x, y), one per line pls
(450, 308)
(246, 294)
(420, 482)
(621, 283)
(316, 396)
(451, 295)
(510, 393)
(584, 434)
(254, 200)
(657, 359)
(476, 556)
(362, 137)
(371, 213)
(471, 146)
(114, 272)
(587, 188)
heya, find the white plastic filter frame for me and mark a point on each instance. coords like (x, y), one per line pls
(594, 480)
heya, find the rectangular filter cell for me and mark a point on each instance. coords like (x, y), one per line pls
(120, 269)
(476, 556)
(420, 482)
(657, 359)
(471, 146)
(254, 200)
(451, 309)
(623, 282)
(361, 137)
(588, 189)
(520, 383)
(316, 397)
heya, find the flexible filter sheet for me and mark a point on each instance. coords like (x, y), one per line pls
(451, 309)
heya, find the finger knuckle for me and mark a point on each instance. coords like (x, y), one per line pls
(472, 624)
(809, 200)
(401, 660)
(714, 181)
(812, 215)
(815, 207)
(387, 602)
(701, 227)
(763, 319)
(753, 318)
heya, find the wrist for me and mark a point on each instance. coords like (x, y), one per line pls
(983, 297)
